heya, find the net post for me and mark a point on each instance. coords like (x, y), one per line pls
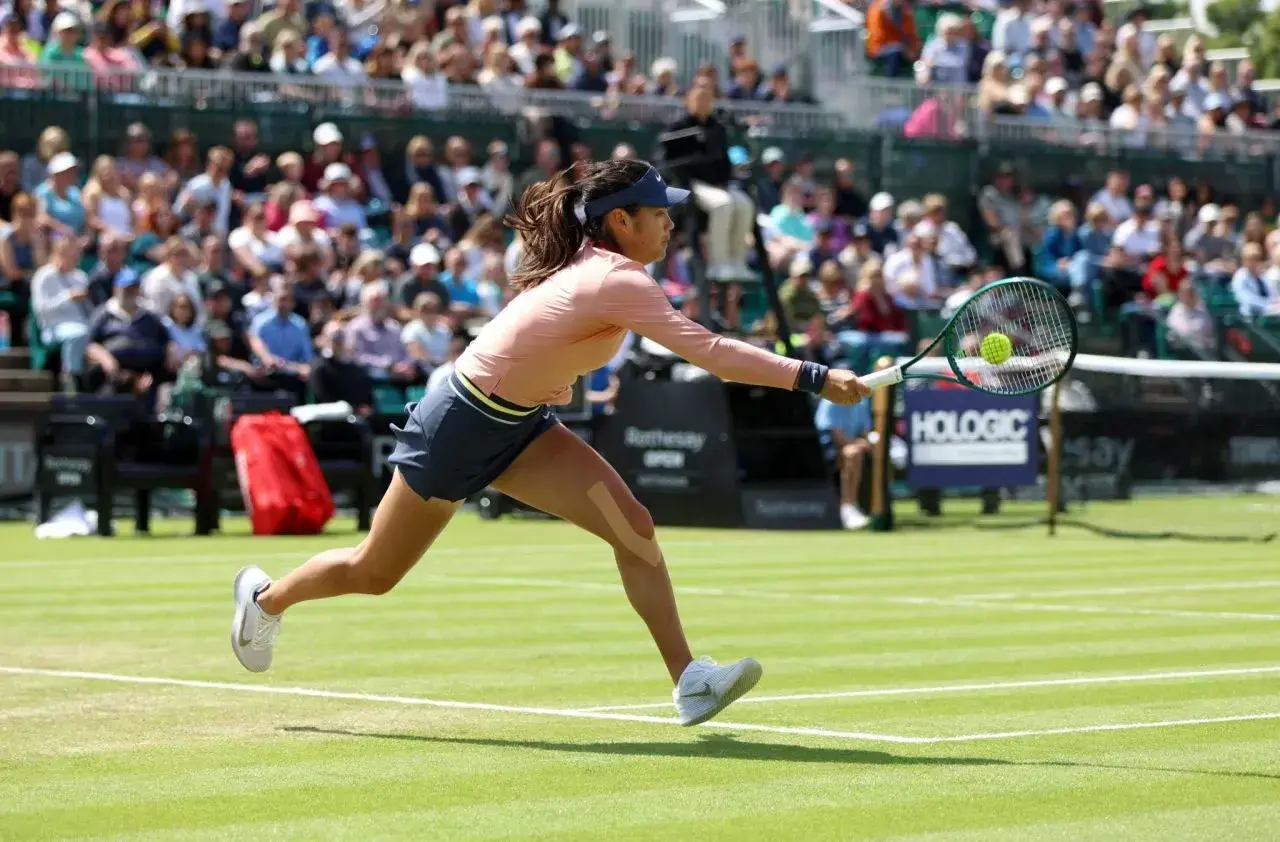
(882, 420)
(1054, 470)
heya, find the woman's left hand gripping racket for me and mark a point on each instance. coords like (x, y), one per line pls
(1012, 337)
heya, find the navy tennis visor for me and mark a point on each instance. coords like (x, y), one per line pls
(651, 191)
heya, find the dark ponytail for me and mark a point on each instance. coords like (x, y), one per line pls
(546, 217)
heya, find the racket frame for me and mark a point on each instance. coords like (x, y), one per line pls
(897, 373)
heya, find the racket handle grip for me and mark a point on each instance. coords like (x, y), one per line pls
(884, 377)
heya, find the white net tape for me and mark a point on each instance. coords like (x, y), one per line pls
(1171, 369)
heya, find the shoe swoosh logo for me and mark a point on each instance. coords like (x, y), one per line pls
(705, 691)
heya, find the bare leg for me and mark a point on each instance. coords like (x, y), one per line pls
(852, 456)
(561, 475)
(404, 527)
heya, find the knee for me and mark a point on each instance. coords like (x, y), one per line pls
(631, 531)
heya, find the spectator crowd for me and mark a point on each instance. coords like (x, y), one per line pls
(417, 48)
(1069, 67)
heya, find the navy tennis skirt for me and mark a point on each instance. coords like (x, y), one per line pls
(457, 440)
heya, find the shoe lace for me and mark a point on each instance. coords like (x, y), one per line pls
(264, 632)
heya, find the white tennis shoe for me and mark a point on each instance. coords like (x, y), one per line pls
(706, 688)
(253, 631)
(851, 517)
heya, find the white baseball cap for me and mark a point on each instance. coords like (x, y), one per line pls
(881, 201)
(65, 20)
(62, 162)
(337, 172)
(424, 254)
(325, 134)
(772, 155)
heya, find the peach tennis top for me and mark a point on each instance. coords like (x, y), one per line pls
(574, 322)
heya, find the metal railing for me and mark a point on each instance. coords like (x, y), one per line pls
(885, 106)
(251, 91)
(1187, 144)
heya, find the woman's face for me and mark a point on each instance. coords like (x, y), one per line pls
(642, 236)
(181, 311)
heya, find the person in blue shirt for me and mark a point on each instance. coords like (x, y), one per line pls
(281, 341)
(844, 430)
(1060, 245)
(463, 293)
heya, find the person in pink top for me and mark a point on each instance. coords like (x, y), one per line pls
(582, 286)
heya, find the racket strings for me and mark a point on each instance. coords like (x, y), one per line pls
(1039, 324)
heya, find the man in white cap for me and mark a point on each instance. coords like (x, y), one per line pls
(769, 189)
(423, 276)
(880, 228)
(568, 54)
(471, 201)
(526, 48)
(337, 201)
(63, 49)
(1059, 111)
(328, 150)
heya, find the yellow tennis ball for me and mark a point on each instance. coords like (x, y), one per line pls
(996, 348)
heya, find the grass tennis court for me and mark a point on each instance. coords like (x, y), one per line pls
(949, 684)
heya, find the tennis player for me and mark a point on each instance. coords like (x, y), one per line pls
(582, 285)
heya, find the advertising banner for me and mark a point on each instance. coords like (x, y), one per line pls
(958, 437)
(671, 443)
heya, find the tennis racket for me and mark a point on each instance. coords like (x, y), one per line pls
(1011, 337)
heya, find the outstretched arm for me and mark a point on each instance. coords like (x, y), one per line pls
(630, 298)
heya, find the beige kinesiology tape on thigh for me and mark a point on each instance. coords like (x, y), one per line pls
(635, 543)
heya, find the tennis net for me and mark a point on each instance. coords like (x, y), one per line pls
(1120, 446)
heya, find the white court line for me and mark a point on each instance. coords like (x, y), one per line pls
(1003, 605)
(1088, 729)
(975, 688)
(586, 714)
(442, 703)
(953, 602)
(1191, 587)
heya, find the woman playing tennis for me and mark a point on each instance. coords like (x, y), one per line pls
(582, 285)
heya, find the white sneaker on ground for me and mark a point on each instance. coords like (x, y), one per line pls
(253, 631)
(851, 517)
(706, 688)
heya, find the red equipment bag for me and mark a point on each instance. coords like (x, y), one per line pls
(284, 491)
